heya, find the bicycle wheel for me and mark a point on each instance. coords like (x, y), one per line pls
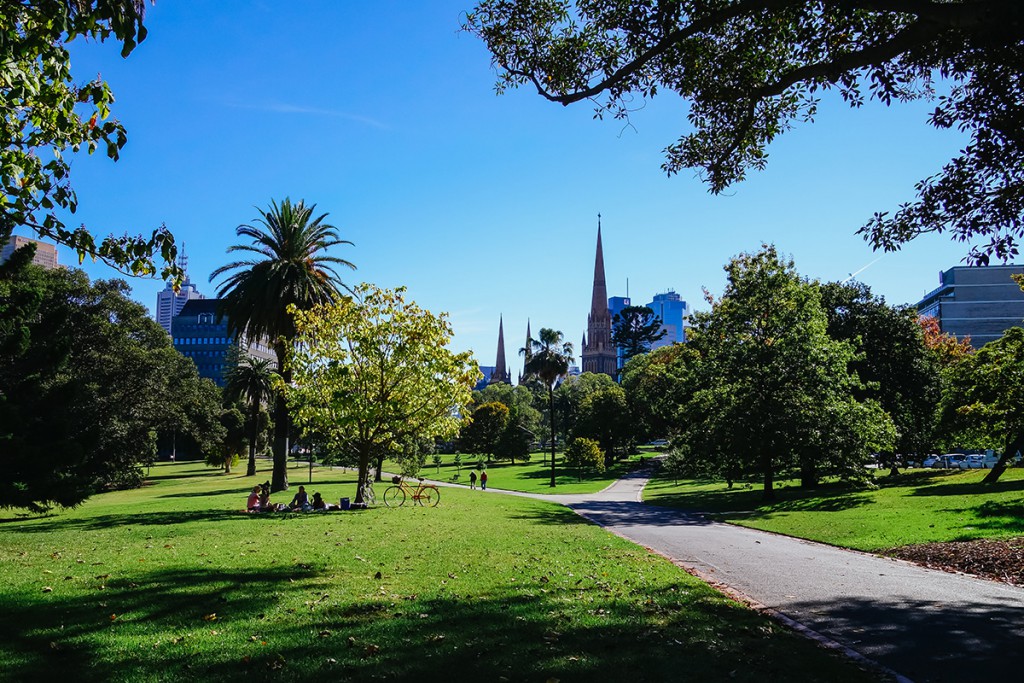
(394, 497)
(429, 496)
(369, 497)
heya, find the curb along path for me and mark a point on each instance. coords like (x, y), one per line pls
(925, 624)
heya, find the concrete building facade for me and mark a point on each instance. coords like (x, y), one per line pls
(978, 302)
(45, 256)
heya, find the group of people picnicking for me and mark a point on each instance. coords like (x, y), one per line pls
(259, 501)
(259, 498)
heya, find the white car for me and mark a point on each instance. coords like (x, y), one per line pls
(931, 460)
(979, 462)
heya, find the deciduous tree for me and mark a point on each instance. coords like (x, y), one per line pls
(46, 115)
(371, 370)
(749, 70)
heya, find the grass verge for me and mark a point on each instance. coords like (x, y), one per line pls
(173, 582)
(918, 506)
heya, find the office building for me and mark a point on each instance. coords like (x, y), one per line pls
(670, 308)
(169, 303)
(980, 302)
(45, 256)
(198, 335)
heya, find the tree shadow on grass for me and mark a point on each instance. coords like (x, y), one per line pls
(164, 518)
(162, 629)
(744, 503)
(241, 492)
(925, 640)
(971, 488)
(1001, 516)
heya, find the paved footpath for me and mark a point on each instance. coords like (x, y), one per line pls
(922, 624)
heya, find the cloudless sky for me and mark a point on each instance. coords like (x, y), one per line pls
(384, 115)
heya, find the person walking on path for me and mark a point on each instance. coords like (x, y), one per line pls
(483, 480)
(472, 480)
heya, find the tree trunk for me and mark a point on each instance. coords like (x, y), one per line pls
(551, 406)
(380, 466)
(282, 427)
(769, 477)
(808, 476)
(364, 473)
(1014, 443)
(250, 471)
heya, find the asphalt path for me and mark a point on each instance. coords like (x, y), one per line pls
(921, 624)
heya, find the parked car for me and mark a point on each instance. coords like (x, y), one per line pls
(979, 462)
(931, 460)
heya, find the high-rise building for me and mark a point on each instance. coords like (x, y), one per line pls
(197, 334)
(46, 254)
(599, 355)
(169, 303)
(670, 308)
(615, 306)
(980, 302)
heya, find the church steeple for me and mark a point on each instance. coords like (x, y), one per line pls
(599, 355)
(501, 373)
(527, 351)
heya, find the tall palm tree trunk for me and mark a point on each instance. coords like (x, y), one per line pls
(254, 417)
(282, 427)
(551, 409)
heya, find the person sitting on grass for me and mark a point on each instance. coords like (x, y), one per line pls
(265, 504)
(320, 504)
(253, 504)
(300, 501)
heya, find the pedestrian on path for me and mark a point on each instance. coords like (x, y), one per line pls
(472, 480)
(483, 480)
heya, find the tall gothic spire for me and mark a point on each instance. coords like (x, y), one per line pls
(599, 356)
(500, 373)
(599, 301)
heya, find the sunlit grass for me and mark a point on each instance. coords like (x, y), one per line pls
(918, 506)
(174, 582)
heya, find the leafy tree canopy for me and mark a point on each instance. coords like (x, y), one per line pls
(750, 69)
(46, 114)
(87, 382)
(372, 370)
(634, 329)
(894, 364)
(983, 395)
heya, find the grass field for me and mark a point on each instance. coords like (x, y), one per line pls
(531, 477)
(918, 506)
(173, 582)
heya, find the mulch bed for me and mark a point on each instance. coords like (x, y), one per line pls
(995, 560)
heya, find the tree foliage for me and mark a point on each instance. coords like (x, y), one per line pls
(893, 363)
(46, 114)
(87, 382)
(250, 380)
(656, 384)
(287, 267)
(634, 329)
(604, 417)
(583, 453)
(372, 370)
(772, 392)
(484, 429)
(751, 69)
(983, 396)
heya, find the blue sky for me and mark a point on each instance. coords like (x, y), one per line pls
(384, 115)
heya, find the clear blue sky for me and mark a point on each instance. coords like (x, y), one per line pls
(383, 114)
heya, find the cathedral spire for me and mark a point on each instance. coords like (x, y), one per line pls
(599, 355)
(500, 373)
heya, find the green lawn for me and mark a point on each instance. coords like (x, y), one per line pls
(918, 506)
(531, 477)
(174, 582)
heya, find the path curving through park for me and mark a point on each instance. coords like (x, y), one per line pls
(922, 624)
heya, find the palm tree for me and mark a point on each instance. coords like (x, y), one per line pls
(548, 358)
(251, 379)
(287, 264)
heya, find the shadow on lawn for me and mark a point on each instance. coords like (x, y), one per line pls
(163, 518)
(531, 631)
(749, 503)
(966, 489)
(925, 640)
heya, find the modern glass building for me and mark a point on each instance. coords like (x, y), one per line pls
(672, 311)
(197, 335)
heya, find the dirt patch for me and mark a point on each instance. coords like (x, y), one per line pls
(995, 560)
